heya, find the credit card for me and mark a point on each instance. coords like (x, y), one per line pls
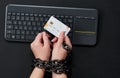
(55, 27)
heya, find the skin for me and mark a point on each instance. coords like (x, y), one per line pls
(41, 49)
(60, 53)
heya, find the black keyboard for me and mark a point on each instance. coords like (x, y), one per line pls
(24, 22)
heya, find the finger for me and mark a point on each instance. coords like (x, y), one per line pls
(38, 38)
(67, 41)
(46, 40)
(54, 39)
(47, 35)
(61, 37)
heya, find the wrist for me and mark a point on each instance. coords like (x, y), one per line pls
(42, 58)
(63, 75)
(40, 70)
(38, 73)
(58, 58)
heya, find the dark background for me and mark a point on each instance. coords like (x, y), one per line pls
(100, 61)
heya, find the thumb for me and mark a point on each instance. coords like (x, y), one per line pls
(61, 37)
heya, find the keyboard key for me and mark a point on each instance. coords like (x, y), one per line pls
(9, 27)
(41, 18)
(35, 15)
(39, 28)
(13, 13)
(33, 23)
(70, 20)
(36, 19)
(17, 36)
(27, 32)
(31, 14)
(70, 25)
(14, 22)
(22, 14)
(32, 33)
(8, 17)
(28, 23)
(23, 32)
(25, 28)
(46, 19)
(9, 13)
(22, 18)
(38, 23)
(15, 27)
(36, 32)
(9, 22)
(13, 17)
(10, 31)
(27, 18)
(17, 31)
(30, 37)
(34, 28)
(26, 14)
(17, 17)
(24, 22)
(39, 15)
(64, 20)
(13, 36)
(20, 27)
(19, 22)
(31, 18)
(8, 36)
(18, 13)
(30, 28)
(22, 37)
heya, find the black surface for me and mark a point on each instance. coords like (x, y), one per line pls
(100, 61)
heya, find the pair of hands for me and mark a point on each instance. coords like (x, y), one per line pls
(41, 46)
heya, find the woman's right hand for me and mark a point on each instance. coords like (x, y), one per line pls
(59, 53)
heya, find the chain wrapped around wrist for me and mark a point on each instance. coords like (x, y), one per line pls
(40, 63)
(56, 66)
(59, 66)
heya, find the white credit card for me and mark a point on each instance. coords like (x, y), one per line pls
(55, 27)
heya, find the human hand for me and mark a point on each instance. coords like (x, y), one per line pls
(59, 52)
(41, 46)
